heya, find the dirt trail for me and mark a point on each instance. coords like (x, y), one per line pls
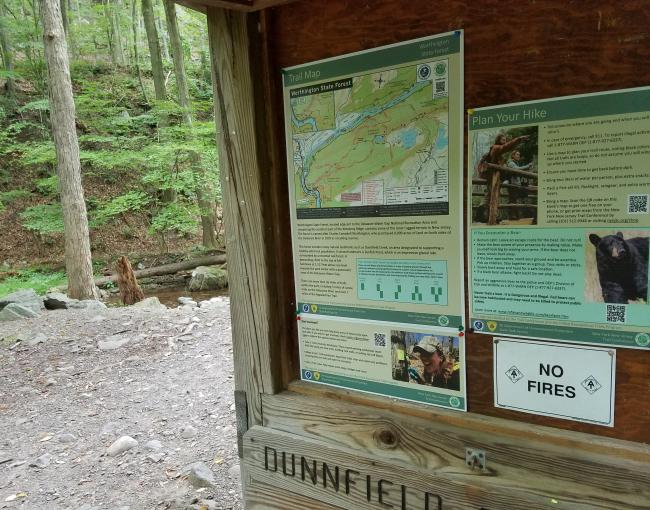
(162, 377)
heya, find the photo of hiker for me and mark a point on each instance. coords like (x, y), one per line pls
(430, 360)
(504, 180)
(616, 268)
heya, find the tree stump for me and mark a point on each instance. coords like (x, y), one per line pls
(130, 291)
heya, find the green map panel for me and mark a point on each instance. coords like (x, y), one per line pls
(374, 139)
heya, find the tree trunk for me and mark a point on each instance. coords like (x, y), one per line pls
(177, 57)
(206, 205)
(64, 15)
(78, 260)
(116, 30)
(136, 52)
(154, 50)
(7, 54)
(69, 26)
(164, 41)
(130, 291)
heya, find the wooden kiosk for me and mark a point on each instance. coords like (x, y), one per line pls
(352, 450)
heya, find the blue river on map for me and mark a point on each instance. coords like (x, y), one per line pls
(344, 125)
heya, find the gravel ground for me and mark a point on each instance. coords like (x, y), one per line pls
(162, 377)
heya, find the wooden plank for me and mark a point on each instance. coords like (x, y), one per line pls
(243, 208)
(261, 496)
(551, 48)
(282, 322)
(625, 450)
(519, 457)
(309, 466)
(196, 6)
(238, 5)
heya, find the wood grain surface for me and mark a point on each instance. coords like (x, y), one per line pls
(514, 51)
(521, 479)
(247, 240)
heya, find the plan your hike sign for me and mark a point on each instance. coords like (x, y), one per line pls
(374, 152)
(559, 218)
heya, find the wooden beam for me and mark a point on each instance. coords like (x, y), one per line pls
(237, 5)
(196, 6)
(256, 363)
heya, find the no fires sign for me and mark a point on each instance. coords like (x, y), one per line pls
(559, 380)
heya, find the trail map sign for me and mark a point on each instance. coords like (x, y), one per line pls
(563, 381)
(560, 218)
(374, 150)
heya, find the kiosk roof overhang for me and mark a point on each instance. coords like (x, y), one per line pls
(239, 5)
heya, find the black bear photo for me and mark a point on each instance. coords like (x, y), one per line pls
(622, 267)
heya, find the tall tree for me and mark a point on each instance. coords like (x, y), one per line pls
(64, 15)
(207, 206)
(7, 53)
(154, 50)
(78, 261)
(136, 51)
(115, 31)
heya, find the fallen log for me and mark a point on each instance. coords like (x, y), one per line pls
(208, 260)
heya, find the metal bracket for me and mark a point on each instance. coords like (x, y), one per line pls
(241, 411)
(475, 459)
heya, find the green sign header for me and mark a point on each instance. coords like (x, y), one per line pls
(420, 49)
(572, 107)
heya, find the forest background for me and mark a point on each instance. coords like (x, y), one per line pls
(141, 80)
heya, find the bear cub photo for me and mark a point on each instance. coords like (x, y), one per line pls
(622, 267)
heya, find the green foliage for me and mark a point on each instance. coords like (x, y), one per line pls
(177, 217)
(38, 279)
(40, 105)
(43, 218)
(6, 197)
(37, 153)
(132, 149)
(48, 186)
(130, 202)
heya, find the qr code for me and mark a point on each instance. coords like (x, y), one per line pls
(616, 313)
(637, 204)
(380, 340)
(441, 86)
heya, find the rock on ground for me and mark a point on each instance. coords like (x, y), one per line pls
(26, 298)
(58, 301)
(175, 370)
(208, 278)
(16, 311)
(199, 475)
(150, 303)
(123, 444)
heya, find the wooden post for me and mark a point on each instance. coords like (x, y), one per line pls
(250, 270)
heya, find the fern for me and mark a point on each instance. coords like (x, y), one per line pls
(44, 218)
(176, 217)
(48, 186)
(129, 202)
